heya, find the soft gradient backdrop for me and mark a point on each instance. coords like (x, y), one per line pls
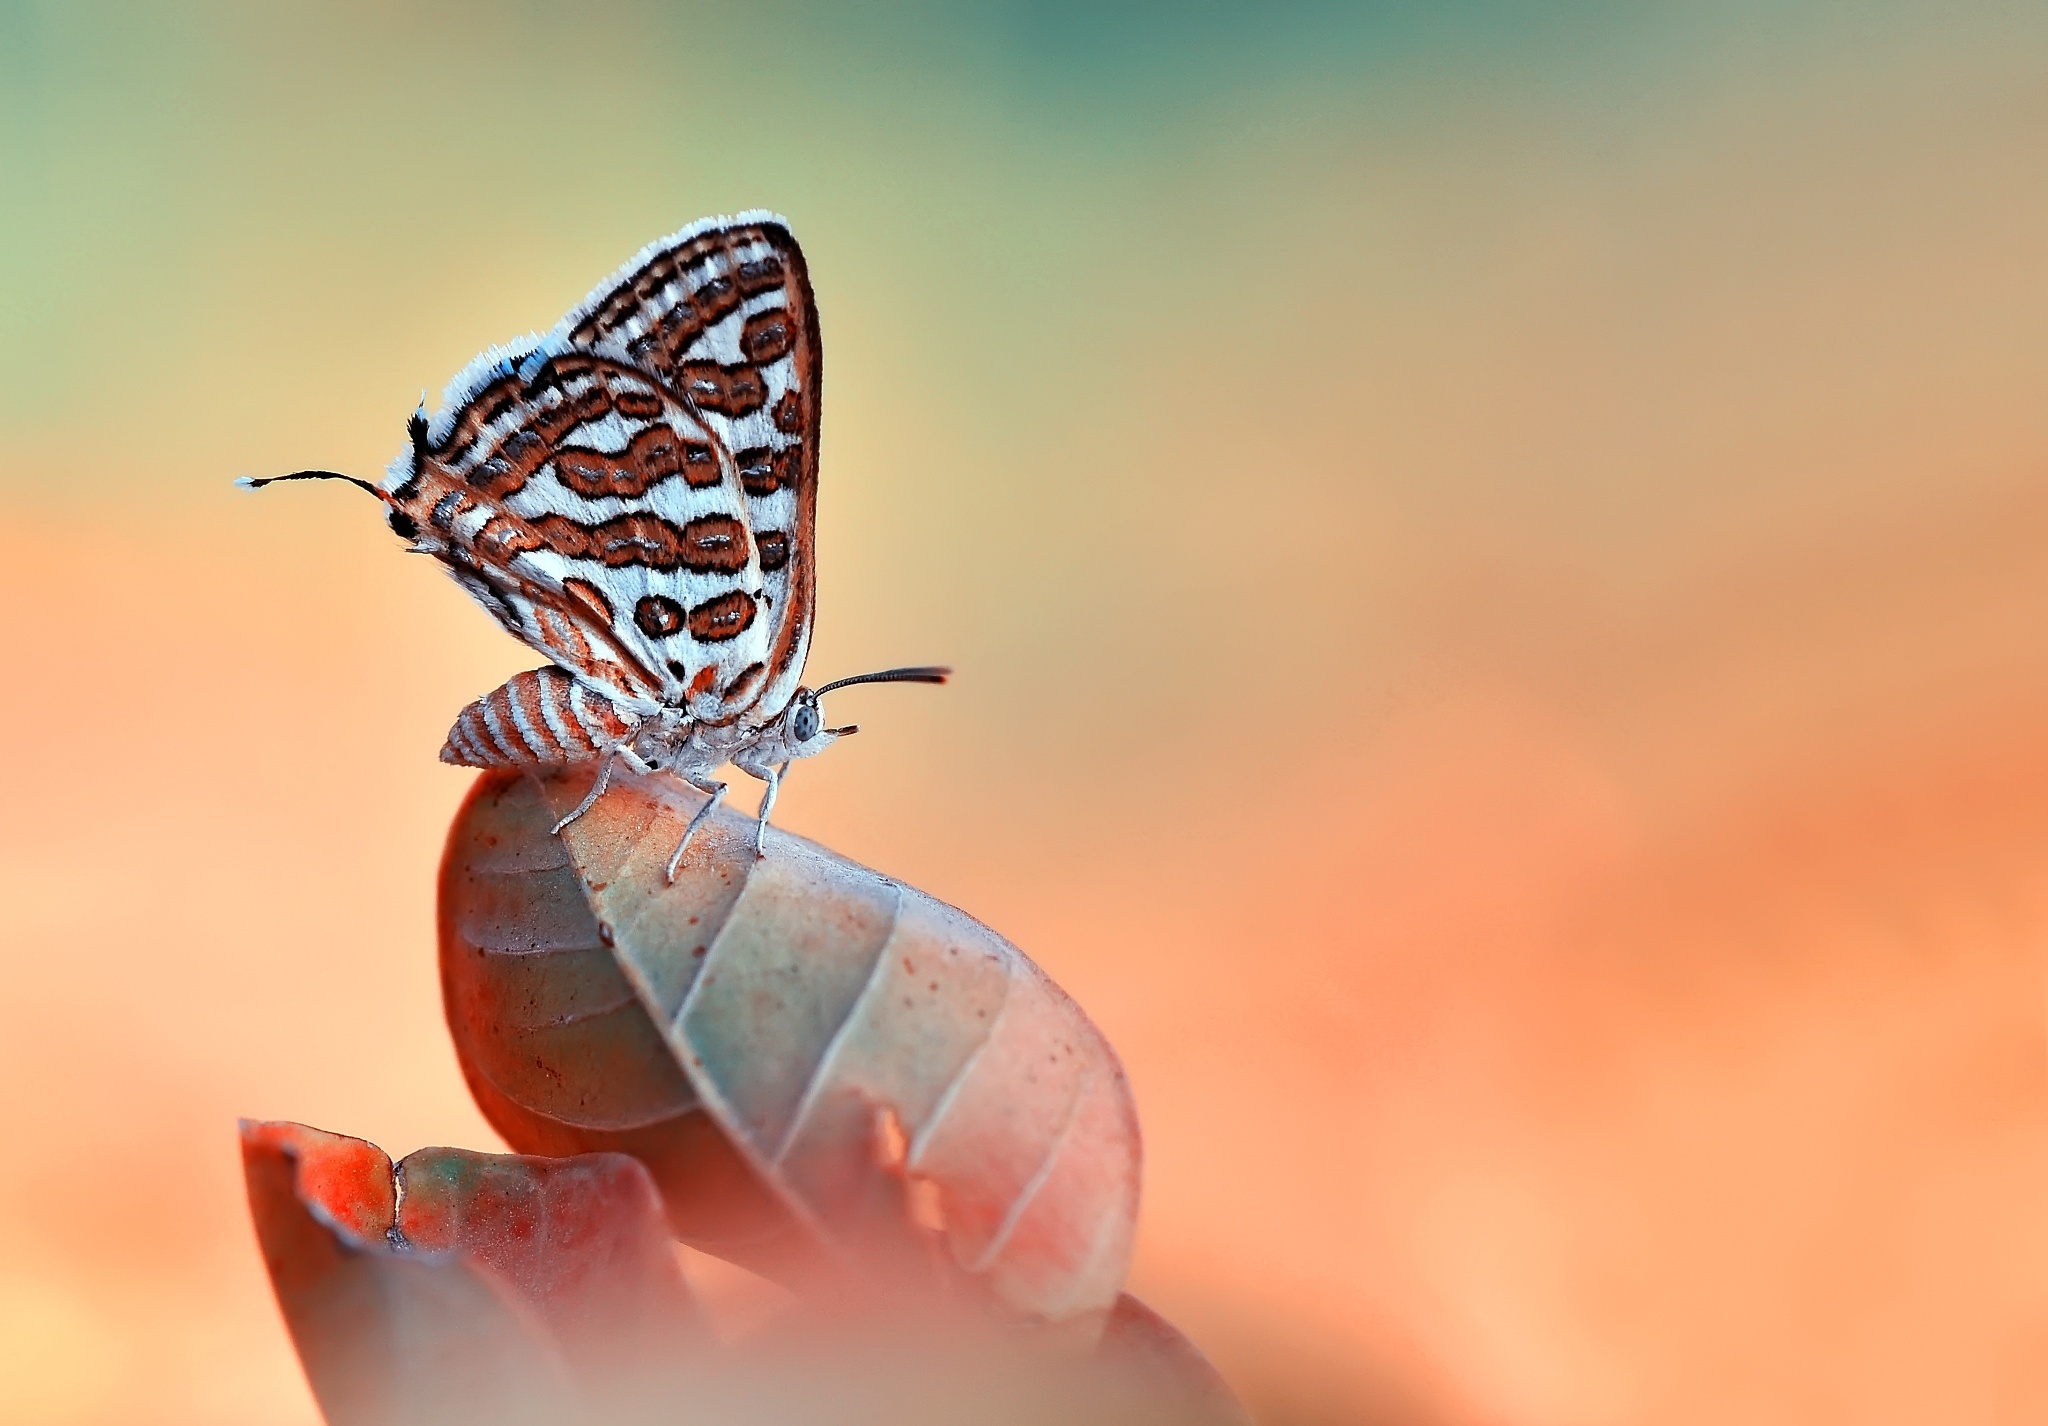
(1495, 553)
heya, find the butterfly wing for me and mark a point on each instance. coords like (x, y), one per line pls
(598, 518)
(723, 316)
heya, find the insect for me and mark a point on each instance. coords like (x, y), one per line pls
(634, 495)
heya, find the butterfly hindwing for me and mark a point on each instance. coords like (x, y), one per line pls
(722, 314)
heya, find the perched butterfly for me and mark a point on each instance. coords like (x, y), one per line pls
(633, 495)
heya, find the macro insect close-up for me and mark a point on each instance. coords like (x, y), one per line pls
(1471, 844)
(830, 1078)
(635, 495)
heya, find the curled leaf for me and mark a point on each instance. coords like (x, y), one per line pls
(465, 1287)
(1174, 1376)
(582, 1240)
(826, 1071)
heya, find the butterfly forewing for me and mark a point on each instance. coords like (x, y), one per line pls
(633, 495)
(722, 315)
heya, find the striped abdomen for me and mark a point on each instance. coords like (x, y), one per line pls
(540, 717)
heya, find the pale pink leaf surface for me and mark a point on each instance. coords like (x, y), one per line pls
(1171, 1369)
(466, 1286)
(514, 1289)
(583, 1240)
(822, 1066)
(387, 1338)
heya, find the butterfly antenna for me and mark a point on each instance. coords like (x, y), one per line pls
(257, 482)
(923, 673)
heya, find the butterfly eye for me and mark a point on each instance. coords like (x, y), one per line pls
(803, 724)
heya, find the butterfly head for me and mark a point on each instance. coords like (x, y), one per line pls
(801, 729)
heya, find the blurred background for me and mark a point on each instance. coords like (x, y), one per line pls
(1495, 558)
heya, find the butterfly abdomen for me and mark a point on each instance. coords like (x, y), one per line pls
(539, 718)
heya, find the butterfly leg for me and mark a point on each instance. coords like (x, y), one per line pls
(773, 776)
(619, 752)
(716, 792)
(604, 778)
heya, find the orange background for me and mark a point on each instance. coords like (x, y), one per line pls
(1495, 562)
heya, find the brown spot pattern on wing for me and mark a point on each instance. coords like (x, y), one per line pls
(767, 336)
(558, 373)
(761, 274)
(503, 537)
(711, 302)
(726, 617)
(551, 423)
(662, 348)
(700, 466)
(568, 391)
(661, 317)
(454, 504)
(635, 538)
(756, 467)
(789, 413)
(658, 616)
(561, 634)
(709, 544)
(716, 299)
(593, 599)
(734, 389)
(716, 544)
(486, 405)
(509, 467)
(645, 285)
(566, 640)
(789, 466)
(654, 455)
(744, 681)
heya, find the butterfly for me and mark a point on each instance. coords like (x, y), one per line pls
(634, 495)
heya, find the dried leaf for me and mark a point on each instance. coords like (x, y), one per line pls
(1176, 1378)
(493, 1288)
(386, 1338)
(825, 1070)
(583, 1240)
